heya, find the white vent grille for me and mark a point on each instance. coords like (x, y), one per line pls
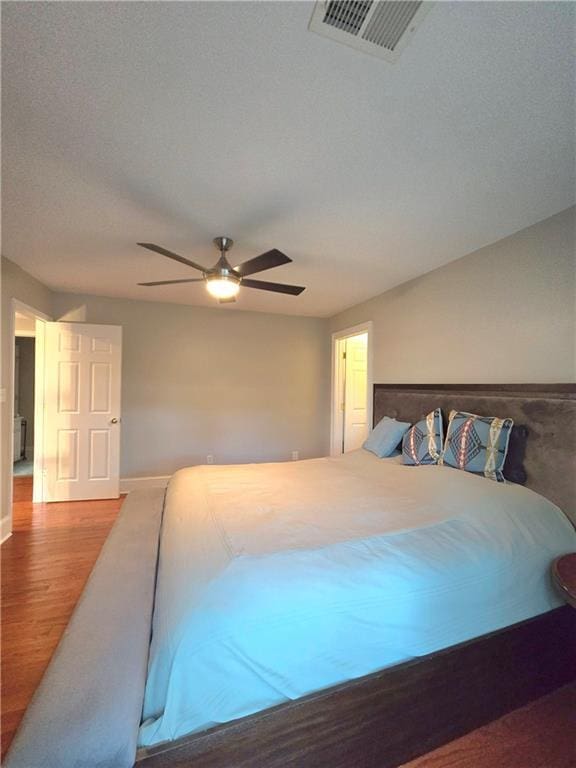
(389, 22)
(380, 27)
(348, 15)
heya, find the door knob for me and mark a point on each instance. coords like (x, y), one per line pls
(114, 421)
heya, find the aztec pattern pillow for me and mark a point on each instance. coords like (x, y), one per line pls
(477, 444)
(422, 444)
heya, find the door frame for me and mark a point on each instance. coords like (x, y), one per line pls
(335, 409)
(38, 476)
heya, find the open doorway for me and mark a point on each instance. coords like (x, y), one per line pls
(23, 423)
(351, 388)
(26, 405)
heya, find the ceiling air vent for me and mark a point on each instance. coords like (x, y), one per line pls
(379, 27)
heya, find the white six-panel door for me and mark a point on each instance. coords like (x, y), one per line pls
(356, 381)
(82, 411)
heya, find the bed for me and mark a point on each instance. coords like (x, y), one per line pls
(415, 604)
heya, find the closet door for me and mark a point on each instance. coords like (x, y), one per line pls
(82, 411)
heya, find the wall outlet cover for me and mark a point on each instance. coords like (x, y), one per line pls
(295, 455)
(210, 459)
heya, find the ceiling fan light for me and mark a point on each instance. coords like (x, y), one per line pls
(222, 287)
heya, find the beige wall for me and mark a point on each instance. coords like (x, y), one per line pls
(243, 386)
(16, 284)
(505, 313)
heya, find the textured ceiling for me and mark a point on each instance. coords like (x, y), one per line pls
(176, 122)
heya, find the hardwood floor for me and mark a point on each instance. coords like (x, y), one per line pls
(47, 561)
(540, 735)
(45, 564)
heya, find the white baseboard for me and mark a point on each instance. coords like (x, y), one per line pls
(128, 484)
(5, 528)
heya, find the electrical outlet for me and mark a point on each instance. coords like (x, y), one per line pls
(210, 459)
(295, 455)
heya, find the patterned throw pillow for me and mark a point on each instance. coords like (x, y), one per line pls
(422, 444)
(477, 444)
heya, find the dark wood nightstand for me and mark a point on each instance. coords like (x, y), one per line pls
(564, 575)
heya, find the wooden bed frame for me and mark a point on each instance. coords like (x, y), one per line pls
(386, 718)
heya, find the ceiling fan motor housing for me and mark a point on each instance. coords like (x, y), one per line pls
(223, 268)
(223, 243)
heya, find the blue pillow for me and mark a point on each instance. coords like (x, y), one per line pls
(477, 444)
(385, 437)
(422, 444)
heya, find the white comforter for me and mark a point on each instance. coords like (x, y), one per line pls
(276, 580)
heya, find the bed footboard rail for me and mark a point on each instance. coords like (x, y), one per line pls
(390, 717)
(87, 709)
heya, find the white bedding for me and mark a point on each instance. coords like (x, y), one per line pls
(276, 580)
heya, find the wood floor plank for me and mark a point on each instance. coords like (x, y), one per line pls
(45, 564)
(539, 735)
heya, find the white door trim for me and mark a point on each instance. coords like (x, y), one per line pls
(335, 405)
(26, 309)
(39, 411)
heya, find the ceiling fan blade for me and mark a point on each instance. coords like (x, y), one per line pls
(293, 290)
(227, 301)
(173, 282)
(273, 258)
(170, 255)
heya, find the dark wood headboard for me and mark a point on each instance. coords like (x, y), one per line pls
(543, 443)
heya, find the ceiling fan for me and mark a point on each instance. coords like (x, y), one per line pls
(222, 280)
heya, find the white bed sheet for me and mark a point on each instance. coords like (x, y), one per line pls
(276, 580)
